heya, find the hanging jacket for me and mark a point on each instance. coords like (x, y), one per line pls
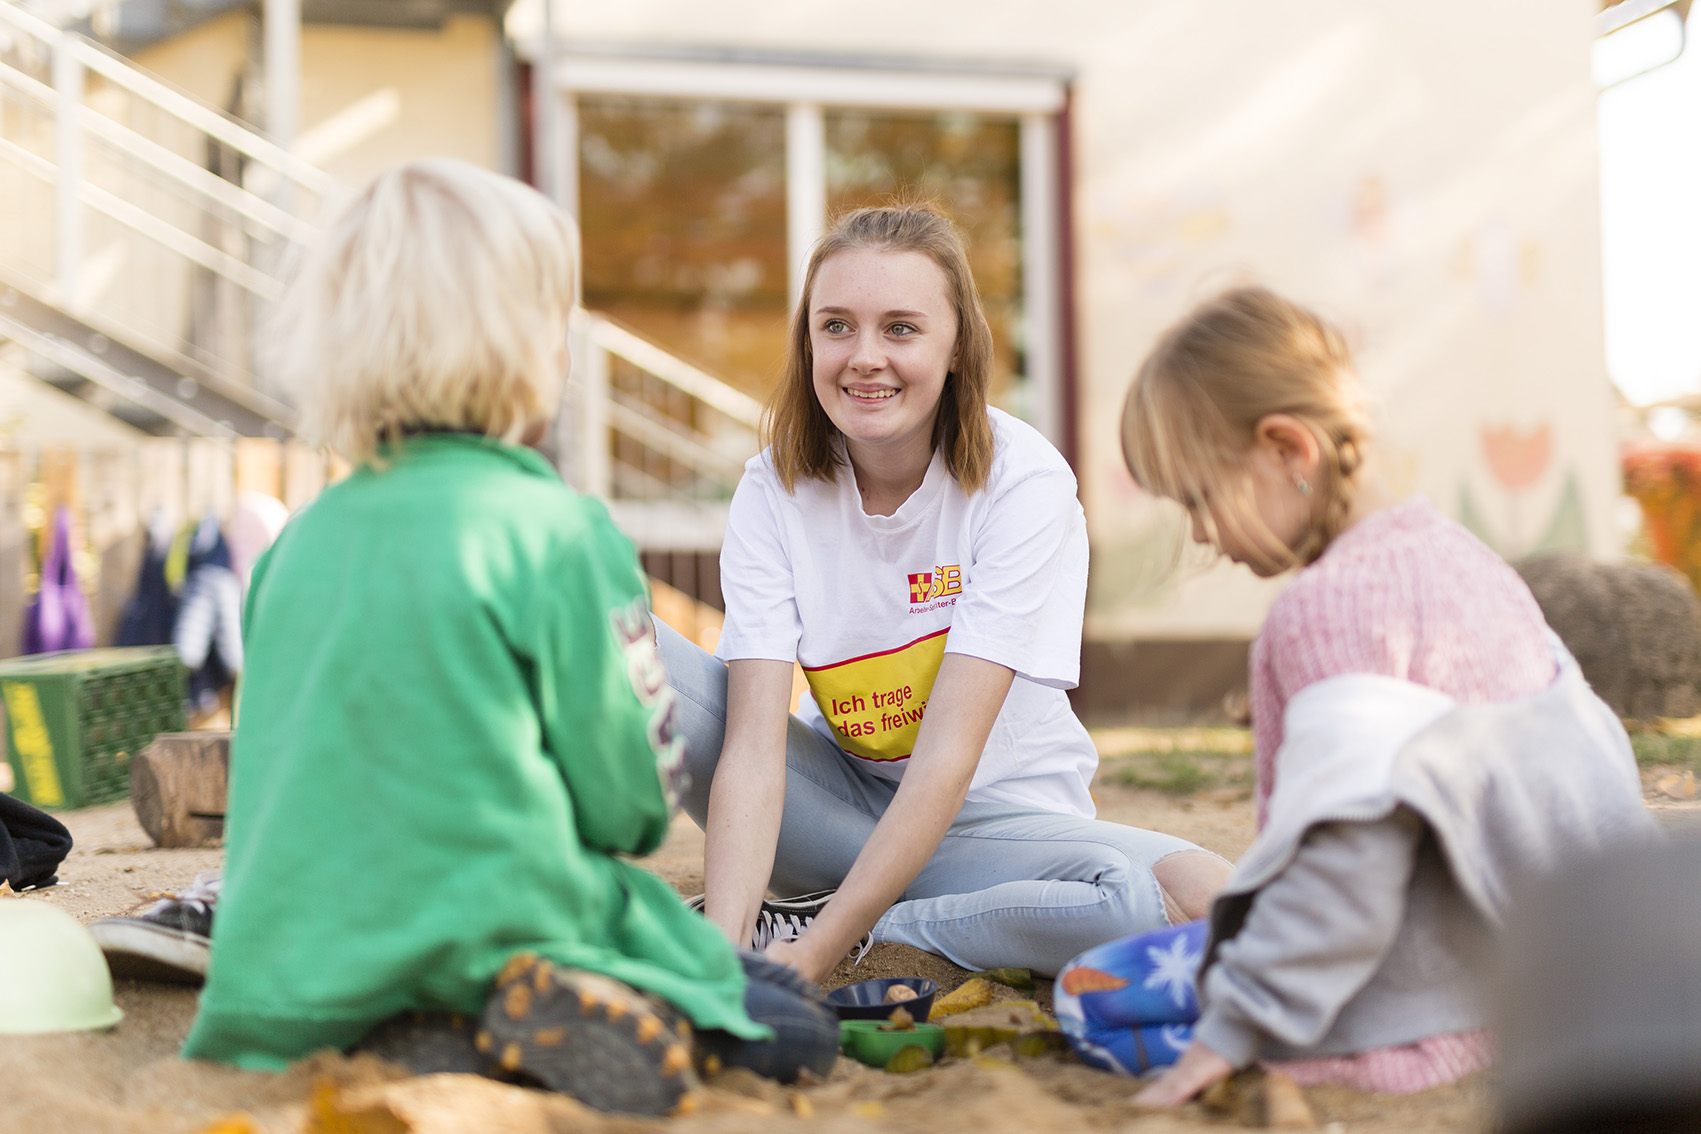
(58, 616)
(208, 632)
(151, 614)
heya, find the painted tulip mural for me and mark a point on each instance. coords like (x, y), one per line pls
(1518, 461)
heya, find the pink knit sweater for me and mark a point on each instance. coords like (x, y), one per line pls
(1405, 593)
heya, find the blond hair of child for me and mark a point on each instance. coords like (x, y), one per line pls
(437, 300)
(1193, 411)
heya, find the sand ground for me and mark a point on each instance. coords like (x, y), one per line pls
(130, 1080)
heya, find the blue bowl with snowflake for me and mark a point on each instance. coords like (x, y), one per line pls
(868, 999)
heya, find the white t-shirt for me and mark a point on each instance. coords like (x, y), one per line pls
(869, 605)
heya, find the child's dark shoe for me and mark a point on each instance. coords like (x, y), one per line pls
(806, 1029)
(587, 1036)
(426, 1043)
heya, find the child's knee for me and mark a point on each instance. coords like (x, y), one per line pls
(1189, 881)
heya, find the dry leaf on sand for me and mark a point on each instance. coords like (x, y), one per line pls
(1677, 785)
(1285, 1107)
(329, 1114)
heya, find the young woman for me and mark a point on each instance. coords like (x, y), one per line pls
(924, 558)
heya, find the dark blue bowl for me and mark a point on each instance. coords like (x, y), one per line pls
(866, 999)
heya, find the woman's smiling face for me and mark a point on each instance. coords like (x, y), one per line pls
(884, 336)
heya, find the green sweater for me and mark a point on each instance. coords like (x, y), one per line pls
(453, 725)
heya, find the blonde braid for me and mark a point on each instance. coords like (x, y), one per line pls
(1344, 457)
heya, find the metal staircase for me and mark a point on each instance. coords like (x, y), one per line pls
(144, 235)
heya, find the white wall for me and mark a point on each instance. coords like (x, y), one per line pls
(373, 97)
(1425, 174)
(370, 97)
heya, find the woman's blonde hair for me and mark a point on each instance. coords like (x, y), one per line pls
(437, 299)
(1192, 412)
(798, 428)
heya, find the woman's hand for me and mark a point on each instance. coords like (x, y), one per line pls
(789, 953)
(964, 703)
(1199, 1067)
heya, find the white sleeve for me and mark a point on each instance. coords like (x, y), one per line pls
(756, 579)
(1026, 587)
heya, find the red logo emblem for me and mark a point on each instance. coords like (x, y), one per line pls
(937, 583)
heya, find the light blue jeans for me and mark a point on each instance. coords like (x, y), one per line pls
(1006, 888)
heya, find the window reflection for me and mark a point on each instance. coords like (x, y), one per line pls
(683, 206)
(970, 165)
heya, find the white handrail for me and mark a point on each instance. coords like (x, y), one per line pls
(263, 213)
(189, 247)
(703, 461)
(639, 426)
(603, 413)
(240, 138)
(125, 74)
(676, 372)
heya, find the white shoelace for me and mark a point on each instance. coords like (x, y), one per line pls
(772, 927)
(201, 894)
(778, 924)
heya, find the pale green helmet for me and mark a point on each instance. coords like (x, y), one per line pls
(54, 978)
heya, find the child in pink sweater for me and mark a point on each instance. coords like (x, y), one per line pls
(1432, 737)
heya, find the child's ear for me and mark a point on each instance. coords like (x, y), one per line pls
(1290, 441)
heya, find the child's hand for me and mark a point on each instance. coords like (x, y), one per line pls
(1197, 1069)
(787, 953)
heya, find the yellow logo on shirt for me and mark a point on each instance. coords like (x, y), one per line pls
(927, 585)
(875, 702)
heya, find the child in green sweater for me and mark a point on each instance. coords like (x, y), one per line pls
(454, 724)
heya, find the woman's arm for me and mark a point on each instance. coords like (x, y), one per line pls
(747, 796)
(966, 697)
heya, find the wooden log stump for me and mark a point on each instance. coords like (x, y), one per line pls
(177, 784)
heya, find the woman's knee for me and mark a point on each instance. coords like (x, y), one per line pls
(1189, 881)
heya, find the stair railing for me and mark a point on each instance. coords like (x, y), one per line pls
(170, 221)
(162, 223)
(661, 440)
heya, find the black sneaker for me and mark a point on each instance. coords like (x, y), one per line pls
(785, 919)
(169, 940)
(589, 1037)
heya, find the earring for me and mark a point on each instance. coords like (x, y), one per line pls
(1303, 485)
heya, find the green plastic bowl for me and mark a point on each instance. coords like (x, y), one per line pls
(866, 1042)
(54, 978)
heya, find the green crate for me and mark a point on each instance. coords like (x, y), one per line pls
(74, 719)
